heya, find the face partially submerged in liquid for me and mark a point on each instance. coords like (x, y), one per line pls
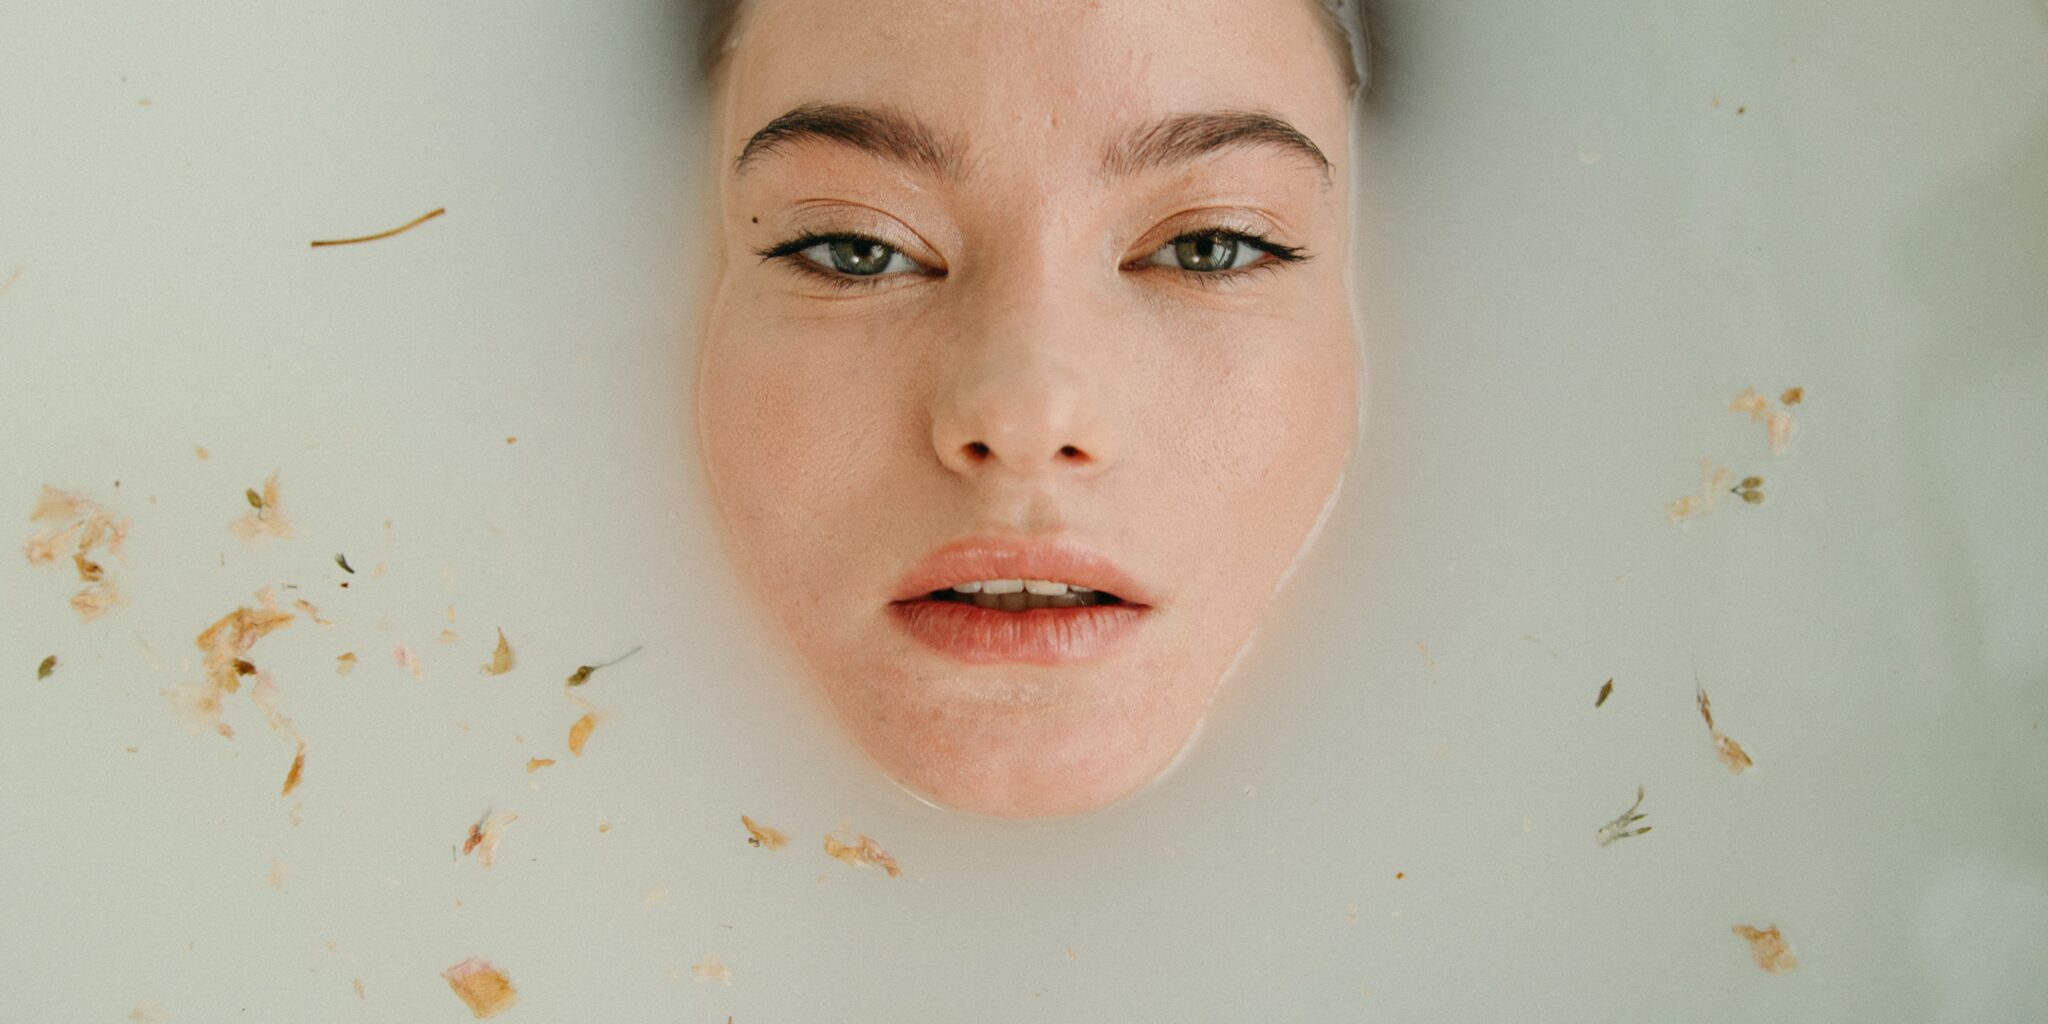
(1052, 292)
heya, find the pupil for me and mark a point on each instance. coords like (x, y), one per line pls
(865, 258)
(1208, 253)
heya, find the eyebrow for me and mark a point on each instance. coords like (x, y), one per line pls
(900, 138)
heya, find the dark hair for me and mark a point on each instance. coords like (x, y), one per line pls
(1345, 20)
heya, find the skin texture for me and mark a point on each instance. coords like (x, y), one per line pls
(1039, 375)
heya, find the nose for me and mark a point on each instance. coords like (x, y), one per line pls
(1024, 395)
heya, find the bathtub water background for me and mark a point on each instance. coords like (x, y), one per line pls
(1588, 226)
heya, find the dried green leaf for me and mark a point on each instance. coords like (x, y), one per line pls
(48, 666)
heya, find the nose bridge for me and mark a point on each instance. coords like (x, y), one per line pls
(1027, 383)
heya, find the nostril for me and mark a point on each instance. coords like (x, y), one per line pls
(1071, 452)
(977, 450)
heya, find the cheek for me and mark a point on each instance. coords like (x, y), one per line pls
(798, 422)
(1263, 425)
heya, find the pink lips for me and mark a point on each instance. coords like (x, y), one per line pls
(1041, 636)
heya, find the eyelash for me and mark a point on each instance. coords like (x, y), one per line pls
(1283, 256)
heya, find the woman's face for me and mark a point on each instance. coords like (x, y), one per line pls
(1052, 292)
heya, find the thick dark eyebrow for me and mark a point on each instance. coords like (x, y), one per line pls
(900, 138)
(873, 130)
(1184, 138)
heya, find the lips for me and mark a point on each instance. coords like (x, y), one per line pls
(928, 607)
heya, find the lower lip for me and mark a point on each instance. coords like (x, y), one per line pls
(1036, 636)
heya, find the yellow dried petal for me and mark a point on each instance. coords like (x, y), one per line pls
(863, 852)
(1731, 753)
(93, 601)
(485, 989)
(1767, 947)
(501, 659)
(53, 504)
(761, 835)
(579, 733)
(1750, 402)
(711, 970)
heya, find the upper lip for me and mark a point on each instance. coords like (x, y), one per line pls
(995, 558)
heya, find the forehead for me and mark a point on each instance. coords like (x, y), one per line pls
(1035, 84)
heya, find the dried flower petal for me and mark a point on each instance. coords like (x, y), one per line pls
(404, 658)
(89, 571)
(484, 988)
(53, 504)
(579, 733)
(1729, 751)
(761, 835)
(311, 612)
(1713, 480)
(291, 778)
(501, 659)
(95, 600)
(48, 666)
(863, 852)
(1779, 424)
(345, 664)
(1793, 396)
(44, 547)
(534, 764)
(265, 518)
(275, 879)
(485, 835)
(447, 637)
(1768, 948)
(224, 644)
(711, 970)
(1750, 402)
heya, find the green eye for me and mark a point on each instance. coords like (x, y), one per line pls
(854, 256)
(862, 258)
(1220, 252)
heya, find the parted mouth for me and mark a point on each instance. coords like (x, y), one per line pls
(1017, 575)
(1017, 595)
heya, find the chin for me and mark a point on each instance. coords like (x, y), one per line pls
(1020, 744)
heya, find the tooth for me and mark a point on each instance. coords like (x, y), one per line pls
(1014, 601)
(1065, 600)
(1002, 586)
(967, 588)
(1078, 589)
(1046, 587)
(987, 600)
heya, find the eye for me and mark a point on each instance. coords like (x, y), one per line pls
(851, 255)
(1218, 252)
